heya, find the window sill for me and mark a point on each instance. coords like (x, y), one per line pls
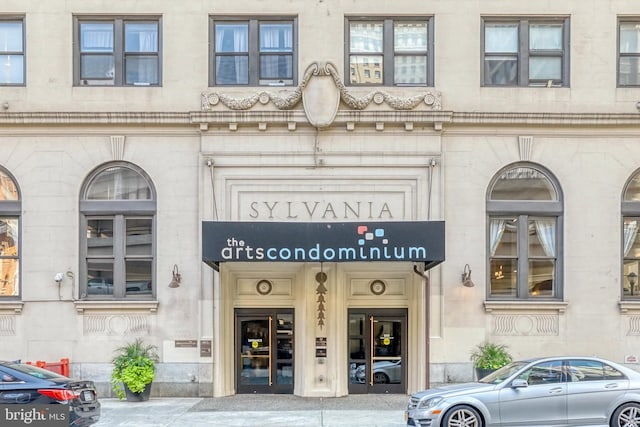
(15, 306)
(116, 306)
(629, 307)
(526, 306)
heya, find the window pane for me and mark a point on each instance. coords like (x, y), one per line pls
(541, 273)
(11, 69)
(96, 37)
(11, 37)
(141, 37)
(501, 38)
(501, 70)
(629, 71)
(410, 69)
(8, 189)
(523, 183)
(365, 37)
(366, 69)
(232, 37)
(99, 237)
(503, 237)
(138, 273)
(139, 236)
(410, 36)
(97, 67)
(232, 70)
(503, 277)
(141, 70)
(542, 237)
(9, 257)
(545, 37)
(276, 67)
(630, 38)
(276, 37)
(632, 192)
(99, 277)
(119, 183)
(545, 68)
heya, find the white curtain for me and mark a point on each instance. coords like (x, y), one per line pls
(271, 35)
(630, 234)
(496, 230)
(97, 38)
(546, 231)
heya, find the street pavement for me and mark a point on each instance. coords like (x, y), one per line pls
(254, 410)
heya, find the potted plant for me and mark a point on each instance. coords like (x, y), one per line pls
(488, 356)
(134, 370)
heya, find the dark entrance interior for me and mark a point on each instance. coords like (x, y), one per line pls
(264, 345)
(377, 351)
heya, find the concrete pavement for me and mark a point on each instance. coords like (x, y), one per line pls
(251, 410)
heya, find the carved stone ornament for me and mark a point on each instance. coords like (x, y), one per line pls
(321, 98)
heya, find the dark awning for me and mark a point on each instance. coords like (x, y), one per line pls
(234, 241)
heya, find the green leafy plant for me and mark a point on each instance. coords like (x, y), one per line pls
(134, 366)
(490, 356)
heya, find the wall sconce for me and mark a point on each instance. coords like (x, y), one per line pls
(466, 277)
(177, 278)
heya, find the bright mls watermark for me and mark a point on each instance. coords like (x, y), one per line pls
(34, 415)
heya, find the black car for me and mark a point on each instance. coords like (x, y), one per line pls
(26, 384)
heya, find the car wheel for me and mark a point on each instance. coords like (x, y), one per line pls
(380, 378)
(462, 416)
(626, 415)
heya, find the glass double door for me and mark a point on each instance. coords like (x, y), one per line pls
(377, 350)
(264, 346)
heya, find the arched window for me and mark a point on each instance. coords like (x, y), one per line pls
(118, 211)
(630, 240)
(524, 234)
(10, 209)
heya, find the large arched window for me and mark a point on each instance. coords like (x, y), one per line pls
(524, 234)
(630, 240)
(118, 210)
(10, 209)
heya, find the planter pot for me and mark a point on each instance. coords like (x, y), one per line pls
(481, 373)
(143, 396)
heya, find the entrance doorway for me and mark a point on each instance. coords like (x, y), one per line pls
(377, 351)
(264, 345)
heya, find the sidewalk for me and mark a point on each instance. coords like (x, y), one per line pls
(251, 410)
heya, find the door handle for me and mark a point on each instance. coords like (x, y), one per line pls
(611, 385)
(555, 390)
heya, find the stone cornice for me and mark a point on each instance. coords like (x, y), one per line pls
(196, 118)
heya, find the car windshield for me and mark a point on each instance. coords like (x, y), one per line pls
(503, 373)
(34, 371)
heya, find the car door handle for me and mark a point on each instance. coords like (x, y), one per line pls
(556, 390)
(611, 385)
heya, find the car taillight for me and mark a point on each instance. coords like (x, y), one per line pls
(60, 395)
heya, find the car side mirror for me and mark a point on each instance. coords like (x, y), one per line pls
(518, 383)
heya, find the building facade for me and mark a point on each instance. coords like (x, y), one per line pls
(318, 198)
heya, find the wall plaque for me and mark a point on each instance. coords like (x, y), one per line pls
(186, 343)
(205, 348)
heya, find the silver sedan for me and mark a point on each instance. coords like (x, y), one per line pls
(558, 391)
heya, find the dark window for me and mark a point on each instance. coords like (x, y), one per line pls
(629, 53)
(524, 234)
(253, 51)
(117, 51)
(389, 52)
(118, 217)
(525, 52)
(12, 52)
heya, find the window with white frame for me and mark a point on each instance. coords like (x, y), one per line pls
(12, 52)
(389, 51)
(117, 51)
(10, 209)
(253, 51)
(629, 52)
(524, 209)
(630, 238)
(118, 211)
(525, 52)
